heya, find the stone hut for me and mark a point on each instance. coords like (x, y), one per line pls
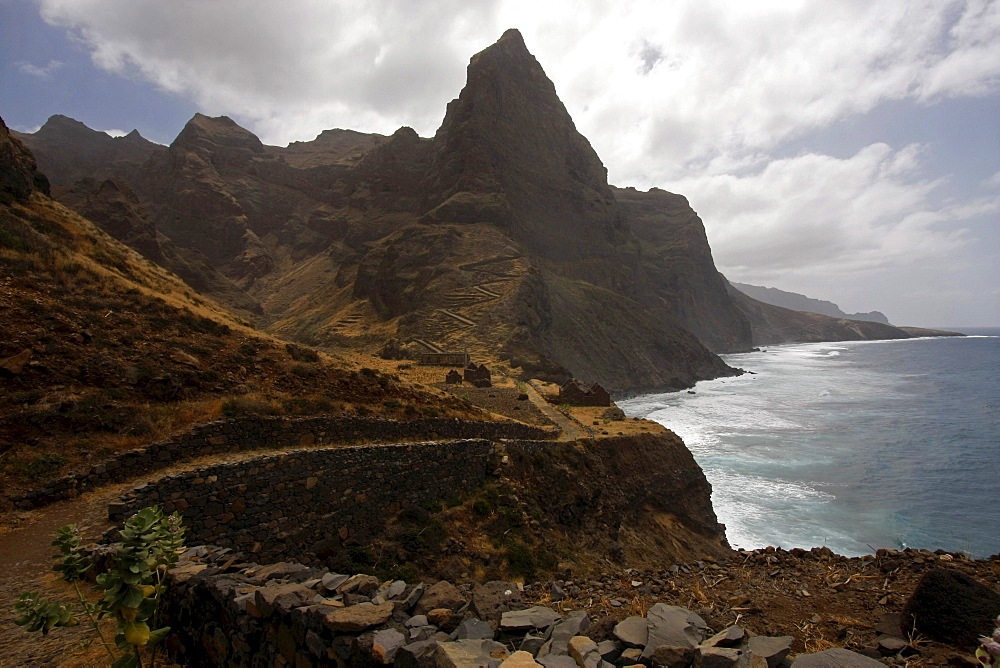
(479, 376)
(577, 393)
(453, 377)
(444, 359)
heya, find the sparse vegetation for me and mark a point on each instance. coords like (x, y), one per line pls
(130, 590)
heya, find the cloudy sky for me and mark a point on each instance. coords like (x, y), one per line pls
(848, 150)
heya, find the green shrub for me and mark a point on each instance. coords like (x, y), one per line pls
(131, 588)
(482, 508)
(521, 561)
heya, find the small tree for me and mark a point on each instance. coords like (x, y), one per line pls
(131, 587)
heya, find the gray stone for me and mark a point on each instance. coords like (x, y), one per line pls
(730, 637)
(632, 631)
(417, 620)
(837, 657)
(281, 596)
(557, 661)
(575, 623)
(556, 592)
(536, 617)
(385, 644)
(492, 599)
(723, 657)
(422, 633)
(411, 599)
(469, 653)
(332, 580)
(532, 643)
(773, 649)
(417, 655)
(674, 626)
(474, 629)
(441, 595)
(610, 650)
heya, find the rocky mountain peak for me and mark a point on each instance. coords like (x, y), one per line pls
(509, 153)
(207, 134)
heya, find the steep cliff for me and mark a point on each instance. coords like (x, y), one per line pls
(797, 302)
(774, 324)
(678, 272)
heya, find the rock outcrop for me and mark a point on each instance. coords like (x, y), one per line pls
(19, 175)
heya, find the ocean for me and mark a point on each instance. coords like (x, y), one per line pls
(851, 445)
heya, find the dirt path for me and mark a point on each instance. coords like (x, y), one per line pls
(26, 560)
(571, 431)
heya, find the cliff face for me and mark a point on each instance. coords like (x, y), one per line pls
(774, 324)
(508, 153)
(678, 271)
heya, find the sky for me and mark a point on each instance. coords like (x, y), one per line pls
(847, 149)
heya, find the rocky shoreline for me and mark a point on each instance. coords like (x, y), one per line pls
(768, 607)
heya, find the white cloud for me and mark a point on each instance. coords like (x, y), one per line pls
(695, 96)
(42, 72)
(815, 215)
(660, 88)
(114, 132)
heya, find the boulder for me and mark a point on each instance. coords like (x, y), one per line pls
(673, 626)
(474, 629)
(529, 619)
(356, 618)
(492, 599)
(632, 631)
(466, 653)
(416, 655)
(441, 595)
(951, 607)
(385, 644)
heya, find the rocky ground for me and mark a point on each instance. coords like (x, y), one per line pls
(794, 602)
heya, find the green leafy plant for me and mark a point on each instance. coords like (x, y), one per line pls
(131, 588)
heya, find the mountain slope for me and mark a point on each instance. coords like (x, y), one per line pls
(797, 302)
(101, 349)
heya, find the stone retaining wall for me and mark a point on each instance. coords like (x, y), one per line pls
(246, 434)
(308, 503)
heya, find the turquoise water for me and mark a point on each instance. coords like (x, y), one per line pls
(852, 445)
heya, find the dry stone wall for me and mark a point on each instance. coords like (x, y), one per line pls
(236, 435)
(307, 503)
